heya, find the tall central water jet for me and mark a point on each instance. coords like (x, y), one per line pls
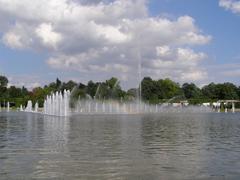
(139, 61)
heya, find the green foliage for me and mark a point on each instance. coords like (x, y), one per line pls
(14, 92)
(58, 83)
(191, 91)
(69, 85)
(113, 89)
(92, 88)
(225, 91)
(3, 92)
(153, 91)
(38, 95)
(210, 91)
(3, 81)
(104, 91)
(148, 88)
(110, 89)
(113, 83)
(132, 93)
(169, 89)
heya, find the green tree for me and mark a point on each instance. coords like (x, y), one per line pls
(24, 91)
(168, 89)
(210, 91)
(104, 91)
(114, 89)
(238, 91)
(92, 88)
(132, 93)
(220, 91)
(112, 83)
(38, 95)
(191, 91)
(148, 88)
(153, 91)
(58, 83)
(227, 91)
(69, 85)
(14, 92)
(3, 81)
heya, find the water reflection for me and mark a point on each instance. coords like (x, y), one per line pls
(54, 141)
(167, 146)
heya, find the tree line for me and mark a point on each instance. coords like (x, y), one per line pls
(153, 91)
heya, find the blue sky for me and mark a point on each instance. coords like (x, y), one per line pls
(223, 25)
(185, 40)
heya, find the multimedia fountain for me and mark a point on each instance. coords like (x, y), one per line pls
(58, 104)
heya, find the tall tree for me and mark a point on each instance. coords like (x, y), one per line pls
(24, 91)
(227, 91)
(210, 91)
(3, 81)
(92, 88)
(112, 83)
(148, 88)
(191, 91)
(169, 89)
(114, 88)
(69, 85)
(58, 83)
(14, 92)
(162, 89)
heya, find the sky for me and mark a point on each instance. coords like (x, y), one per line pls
(81, 40)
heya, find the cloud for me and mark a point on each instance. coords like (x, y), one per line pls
(106, 38)
(232, 5)
(12, 40)
(180, 64)
(47, 35)
(27, 81)
(18, 36)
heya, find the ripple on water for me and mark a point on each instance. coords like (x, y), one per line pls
(165, 146)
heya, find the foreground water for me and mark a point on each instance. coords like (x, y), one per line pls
(166, 146)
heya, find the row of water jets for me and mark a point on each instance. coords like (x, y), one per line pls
(93, 106)
(8, 107)
(58, 104)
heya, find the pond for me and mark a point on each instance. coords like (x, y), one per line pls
(163, 146)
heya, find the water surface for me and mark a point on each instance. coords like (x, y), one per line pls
(165, 146)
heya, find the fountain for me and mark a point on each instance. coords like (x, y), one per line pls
(8, 106)
(36, 107)
(29, 106)
(21, 108)
(57, 104)
(94, 106)
(217, 106)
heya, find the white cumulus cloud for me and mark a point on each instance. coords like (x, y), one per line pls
(233, 5)
(106, 38)
(48, 36)
(12, 40)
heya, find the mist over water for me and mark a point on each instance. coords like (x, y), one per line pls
(163, 146)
